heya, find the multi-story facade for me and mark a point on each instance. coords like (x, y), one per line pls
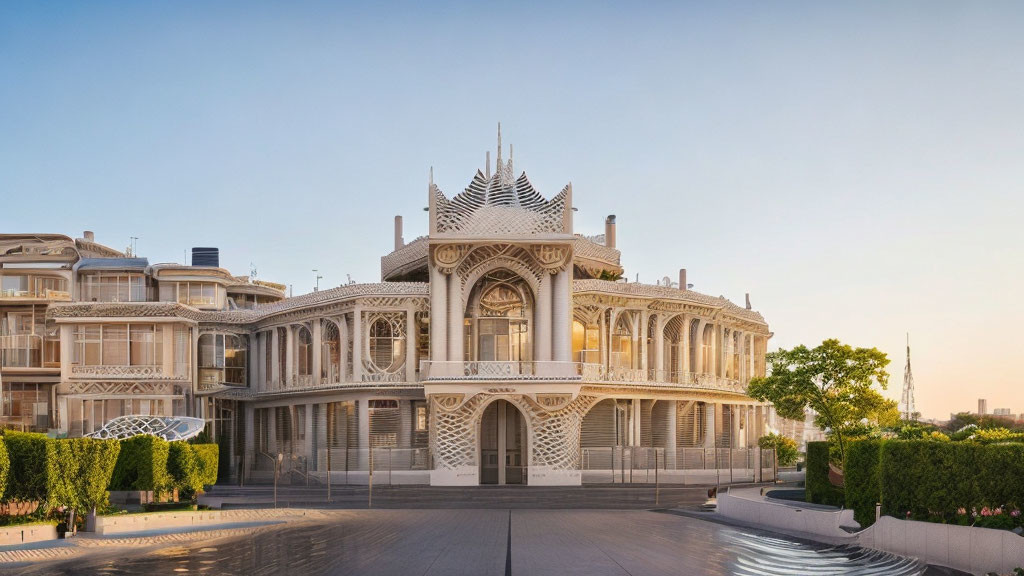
(499, 348)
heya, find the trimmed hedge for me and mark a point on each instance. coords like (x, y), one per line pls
(861, 479)
(142, 465)
(818, 489)
(192, 466)
(84, 467)
(209, 462)
(33, 465)
(5, 468)
(935, 481)
(932, 480)
(71, 472)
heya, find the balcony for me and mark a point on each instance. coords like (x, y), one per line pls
(29, 351)
(122, 372)
(574, 371)
(461, 371)
(45, 294)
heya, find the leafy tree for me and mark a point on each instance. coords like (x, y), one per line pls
(785, 448)
(834, 380)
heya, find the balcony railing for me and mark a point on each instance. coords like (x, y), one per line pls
(586, 372)
(118, 372)
(44, 294)
(430, 370)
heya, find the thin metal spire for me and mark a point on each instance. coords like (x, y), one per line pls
(907, 409)
(498, 164)
(431, 175)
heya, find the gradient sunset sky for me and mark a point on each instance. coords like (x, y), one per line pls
(857, 168)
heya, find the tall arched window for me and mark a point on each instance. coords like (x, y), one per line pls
(330, 353)
(387, 343)
(304, 347)
(706, 349)
(500, 310)
(622, 343)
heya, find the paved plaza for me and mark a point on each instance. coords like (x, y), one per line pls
(496, 542)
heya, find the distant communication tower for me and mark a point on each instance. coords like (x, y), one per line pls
(907, 409)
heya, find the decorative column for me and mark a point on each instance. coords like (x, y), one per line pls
(542, 324)
(561, 333)
(659, 350)
(438, 316)
(272, 430)
(698, 347)
(253, 358)
(357, 344)
(307, 441)
(411, 342)
(751, 371)
(317, 333)
(456, 321)
(670, 435)
(363, 406)
(684, 344)
(275, 357)
(637, 429)
(735, 413)
(645, 321)
(289, 354)
(343, 348)
(603, 344)
(710, 413)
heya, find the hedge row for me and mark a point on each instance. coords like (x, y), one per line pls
(73, 473)
(78, 472)
(818, 488)
(933, 481)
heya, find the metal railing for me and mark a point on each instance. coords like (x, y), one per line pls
(587, 372)
(637, 464)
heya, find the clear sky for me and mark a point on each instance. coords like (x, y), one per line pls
(857, 168)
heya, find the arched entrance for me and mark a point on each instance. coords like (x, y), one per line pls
(503, 444)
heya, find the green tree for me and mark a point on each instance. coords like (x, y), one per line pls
(834, 380)
(785, 448)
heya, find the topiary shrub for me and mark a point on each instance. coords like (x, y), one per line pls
(142, 465)
(32, 466)
(208, 456)
(84, 468)
(818, 489)
(861, 479)
(183, 466)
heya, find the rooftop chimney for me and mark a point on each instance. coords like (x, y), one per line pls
(88, 236)
(609, 231)
(748, 300)
(682, 278)
(399, 241)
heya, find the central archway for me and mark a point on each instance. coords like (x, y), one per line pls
(504, 444)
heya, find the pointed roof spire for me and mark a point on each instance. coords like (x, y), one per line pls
(431, 175)
(498, 164)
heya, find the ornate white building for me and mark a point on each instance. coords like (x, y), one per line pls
(499, 348)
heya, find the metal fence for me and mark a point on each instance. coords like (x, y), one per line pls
(347, 466)
(638, 464)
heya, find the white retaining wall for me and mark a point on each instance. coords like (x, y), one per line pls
(25, 533)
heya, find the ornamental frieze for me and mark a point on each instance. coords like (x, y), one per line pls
(126, 388)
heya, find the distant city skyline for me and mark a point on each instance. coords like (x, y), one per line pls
(855, 168)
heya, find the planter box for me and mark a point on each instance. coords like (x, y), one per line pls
(126, 523)
(971, 549)
(15, 535)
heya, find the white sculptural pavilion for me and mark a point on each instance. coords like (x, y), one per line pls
(170, 429)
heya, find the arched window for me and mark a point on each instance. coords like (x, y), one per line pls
(330, 353)
(500, 327)
(622, 343)
(304, 358)
(387, 343)
(707, 356)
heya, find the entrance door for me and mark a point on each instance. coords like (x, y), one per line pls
(502, 445)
